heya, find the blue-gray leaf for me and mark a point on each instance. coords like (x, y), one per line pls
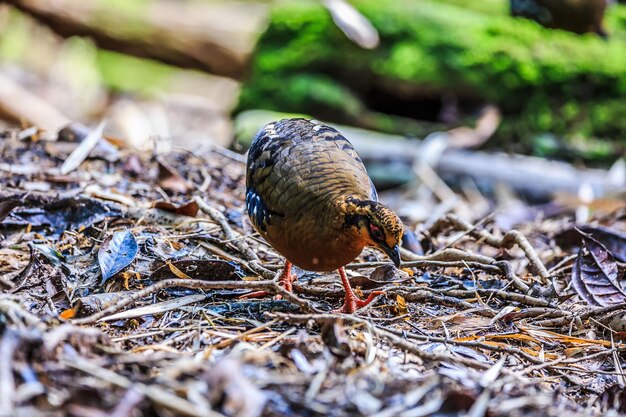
(116, 253)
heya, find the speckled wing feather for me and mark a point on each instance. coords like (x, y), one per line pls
(296, 167)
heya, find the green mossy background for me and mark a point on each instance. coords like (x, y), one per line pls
(560, 94)
(544, 81)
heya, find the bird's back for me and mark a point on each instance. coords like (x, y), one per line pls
(296, 170)
(295, 165)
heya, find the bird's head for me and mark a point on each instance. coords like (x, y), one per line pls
(376, 225)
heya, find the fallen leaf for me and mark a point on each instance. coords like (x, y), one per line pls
(613, 240)
(189, 209)
(95, 303)
(157, 308)
(615, 321)
(411, 243)
(51, 253)
(177, 272)
(70, 313)
(64, 214)
(401, 307)
(116, 253)
(209, 270)
(381, 276)
(171, 180)
(549, 335)
(595, 274)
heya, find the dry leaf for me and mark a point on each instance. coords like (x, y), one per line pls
(595, 275)
(177, 272)
(401, 307)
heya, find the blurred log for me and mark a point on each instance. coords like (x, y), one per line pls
(391, 161)
(216, 37)
(23, 107)
(530, 176)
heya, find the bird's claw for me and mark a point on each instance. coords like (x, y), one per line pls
(286, 283)
(353, 303)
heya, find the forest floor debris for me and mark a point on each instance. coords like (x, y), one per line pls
(123, 288)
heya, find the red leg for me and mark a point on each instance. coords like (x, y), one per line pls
(286, 281)
(352, 303)
(287, 278)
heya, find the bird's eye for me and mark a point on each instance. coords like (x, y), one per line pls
(376, 233)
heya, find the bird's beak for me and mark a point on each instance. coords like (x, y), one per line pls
(394, 254)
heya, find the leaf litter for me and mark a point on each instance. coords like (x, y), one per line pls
(125, 285)
(595, 275)
(116, 253)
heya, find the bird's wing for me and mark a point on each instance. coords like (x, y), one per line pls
(259, 175)
(296, 166)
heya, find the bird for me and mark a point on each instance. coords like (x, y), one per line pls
(309, 196)
(578, 16)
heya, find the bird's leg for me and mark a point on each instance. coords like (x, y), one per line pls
(352, 303)
(286, 281)
(286, 278)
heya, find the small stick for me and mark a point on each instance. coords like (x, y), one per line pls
(509, 239)
(577, 315)
(197, 284)
(448, 255)
(229, 234)
(505, 295)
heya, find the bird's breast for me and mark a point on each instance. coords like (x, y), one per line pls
(312, 246)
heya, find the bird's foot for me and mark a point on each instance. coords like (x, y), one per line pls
(286, 283)
(352, 303)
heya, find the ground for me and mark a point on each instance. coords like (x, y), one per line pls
(112, 307)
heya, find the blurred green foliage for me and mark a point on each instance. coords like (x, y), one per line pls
(127, 73)
(543, 80)
(14, 36)
(119, 72)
